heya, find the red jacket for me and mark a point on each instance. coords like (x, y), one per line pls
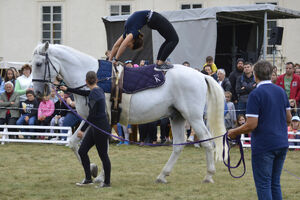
(295, 86)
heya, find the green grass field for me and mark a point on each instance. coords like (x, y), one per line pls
(36, 171)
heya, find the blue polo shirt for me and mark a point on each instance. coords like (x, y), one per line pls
(269, 103)
(135, 23)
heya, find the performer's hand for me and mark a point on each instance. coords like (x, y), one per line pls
(80, 134)
(230, 134)
(63, 88)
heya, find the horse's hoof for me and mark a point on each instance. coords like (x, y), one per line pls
(208, 181)
(99, 179)
(161, 180)
(94, 170)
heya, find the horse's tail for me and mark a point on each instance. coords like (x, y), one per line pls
(215, 113)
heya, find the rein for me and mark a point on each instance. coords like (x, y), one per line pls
(227, 141)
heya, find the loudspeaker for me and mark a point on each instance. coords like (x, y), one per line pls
(276, 36)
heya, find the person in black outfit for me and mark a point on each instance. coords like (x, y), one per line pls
(97, 116)
(133, 38)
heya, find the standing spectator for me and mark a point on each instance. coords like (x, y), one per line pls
(234, 76)
(223, 81)
(45, 111)
(297, 71)
(230, 117)
(210, 61)
(59, 113)
(10, 100)
(164, 130)
(123, 132)
(28, 111)
(9, 76)
(148, 133)
(290, 82)
(16, 72)
(186, 63)
(24, 82)
(294, 109)
(244, 85)
(269, 139)
(274, 77)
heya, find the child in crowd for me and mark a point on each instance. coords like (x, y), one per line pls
(294, 109)
(123, 132)
(45, 111)
(241, 119)
(53, 96)
(60, 112)
(293, 129)
(28, 111)
(210, 61)
(230, 117)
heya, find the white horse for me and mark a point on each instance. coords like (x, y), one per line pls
(182, 97)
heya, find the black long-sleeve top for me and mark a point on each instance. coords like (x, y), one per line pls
(31, 107)
(96, 104)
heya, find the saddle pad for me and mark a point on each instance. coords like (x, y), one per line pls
(141, 78)
(104, 71)
(134, 80)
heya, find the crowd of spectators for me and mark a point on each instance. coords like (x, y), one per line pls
(20, 106)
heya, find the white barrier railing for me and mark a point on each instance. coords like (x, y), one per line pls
(5, 134)
(245, 141)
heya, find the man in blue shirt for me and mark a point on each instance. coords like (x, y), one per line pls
(268, 113)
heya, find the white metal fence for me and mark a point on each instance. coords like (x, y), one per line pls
(296, 142)
(5, 134)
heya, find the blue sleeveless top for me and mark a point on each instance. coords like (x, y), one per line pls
(135, 23)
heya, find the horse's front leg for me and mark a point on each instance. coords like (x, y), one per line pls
(177, 125)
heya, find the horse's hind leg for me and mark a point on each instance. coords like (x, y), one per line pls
(177, 124)
(203, 133)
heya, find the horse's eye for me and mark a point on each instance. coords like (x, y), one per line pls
(38, 64)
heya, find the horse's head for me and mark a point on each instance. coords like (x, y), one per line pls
(45, 69)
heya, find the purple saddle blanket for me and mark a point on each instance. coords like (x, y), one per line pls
(141, 78)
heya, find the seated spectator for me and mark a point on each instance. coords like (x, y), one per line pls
(142, 63)
(16, 72)
(60, 112)
(45, 111)
(53, 96)
(244, 85)
(210, 61)
(293, 129)
(9, 76)
(230, 117)
(24, 82)
(297, 71)
(223, 81)
(70, 120)
(10, 100)
(294, 108)
(208, 71)
(128, 63)
(28, 112)
(241, 119)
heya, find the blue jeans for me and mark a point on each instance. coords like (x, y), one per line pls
(241, 107)
(267, 169)
(31, 121)
(70, 120)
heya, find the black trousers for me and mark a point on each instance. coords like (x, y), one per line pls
(164, 129)
(148, 132)
(166, 30)
(95, 137)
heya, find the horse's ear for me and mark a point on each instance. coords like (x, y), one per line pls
(46, 46)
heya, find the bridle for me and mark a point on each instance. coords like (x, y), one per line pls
(47, 67)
